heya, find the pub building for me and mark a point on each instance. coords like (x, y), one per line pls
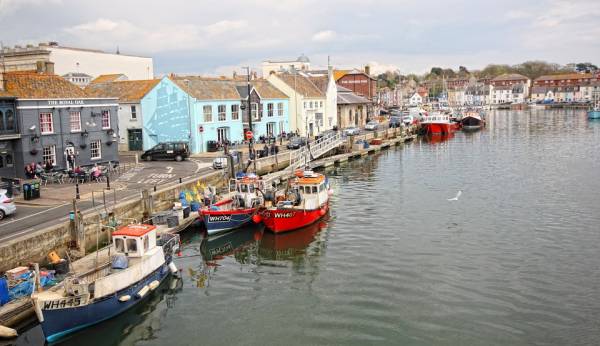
(46, 118)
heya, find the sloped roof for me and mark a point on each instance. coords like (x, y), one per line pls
(303, 85)
(337, 74)
(208, 88)
(564, 76)
(267, 90)
(347, 97)
(125, 91)
(510, 76)
(352, 72)
(103, 78)
(33, 85)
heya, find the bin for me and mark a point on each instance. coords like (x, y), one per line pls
(186, 212)
(172, 221)
(211, 146)
(26, 191)
(35, 190)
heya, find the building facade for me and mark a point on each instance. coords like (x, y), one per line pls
(63, 60)
(351, 109)
(359, 82)
(54, 118)
(130, 94)
(302, 63)
(79, 79)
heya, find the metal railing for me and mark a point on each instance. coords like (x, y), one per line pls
(313, 151)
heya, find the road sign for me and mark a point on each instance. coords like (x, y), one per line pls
(249, 135)
(201, 128)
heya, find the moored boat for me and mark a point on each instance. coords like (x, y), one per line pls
(104, 285)
(438, 124)
(304, 201)
(471, 121)
(244, 199)
(594, 113)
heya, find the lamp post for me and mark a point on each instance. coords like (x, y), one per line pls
(249, 107)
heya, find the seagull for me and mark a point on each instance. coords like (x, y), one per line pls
(457, 195)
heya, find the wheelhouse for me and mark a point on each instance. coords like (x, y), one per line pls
(134, 240)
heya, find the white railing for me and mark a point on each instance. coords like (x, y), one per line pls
(313, 151)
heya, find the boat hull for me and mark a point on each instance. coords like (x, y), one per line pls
(218, 221)
(593, 114)
(289, 219)
(439, 128)
(59, 323)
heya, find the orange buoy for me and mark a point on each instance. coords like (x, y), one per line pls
(322, 211)
(256, 218)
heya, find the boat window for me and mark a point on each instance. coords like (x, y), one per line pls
(314, 189)
(321, 188)
(244, 188)
(251, 188)
(120, 245)
(146, 243)
(131, 245)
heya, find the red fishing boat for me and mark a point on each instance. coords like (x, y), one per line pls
(438, 124)
(304, 201)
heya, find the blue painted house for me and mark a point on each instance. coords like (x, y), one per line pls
(166, 114)
(214, 112)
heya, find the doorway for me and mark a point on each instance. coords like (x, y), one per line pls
(135, 139)
(222, 134)
(70, 157)
(271, 129)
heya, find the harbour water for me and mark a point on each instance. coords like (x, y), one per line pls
(514, 261)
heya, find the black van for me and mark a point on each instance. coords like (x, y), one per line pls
(168, 151)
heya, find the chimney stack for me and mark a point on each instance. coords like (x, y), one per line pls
(368, 69)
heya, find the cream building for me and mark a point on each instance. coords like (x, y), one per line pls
(313, 101)
(53, 58)
(302, 63)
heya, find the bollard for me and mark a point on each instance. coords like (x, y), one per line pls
(136, 159)
(154, 188)
(179, 180)
(108, 182)
(77, 190)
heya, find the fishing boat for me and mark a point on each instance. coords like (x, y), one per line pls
(471, 121)
(303, 202)
(108, 282)
(438, 124)
(594, 112)
(236, 210)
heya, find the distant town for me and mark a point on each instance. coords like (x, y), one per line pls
(57, 101)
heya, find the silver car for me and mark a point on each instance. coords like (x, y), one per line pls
(351, 131)
(7, 206)
(372, 126)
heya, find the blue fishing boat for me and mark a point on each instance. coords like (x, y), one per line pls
(107, 283)
(238, 208)
(594, 113)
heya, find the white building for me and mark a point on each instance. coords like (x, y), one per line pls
(415, 100)
(516, 93)
(79, 79)
(64, 60)
(313, 101)
(302, 63)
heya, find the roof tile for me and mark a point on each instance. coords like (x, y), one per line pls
(125, 91)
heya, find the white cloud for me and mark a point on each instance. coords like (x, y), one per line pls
(8, 7)
(324, 36)
(225, 26)
(100, 25)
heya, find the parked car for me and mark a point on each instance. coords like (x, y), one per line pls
(372, 126)
(177, 151)
(7, 206)
(409, 120)
(296, 143)
(351, 131)
(221, 162)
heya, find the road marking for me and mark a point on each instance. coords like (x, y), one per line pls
(28, 216)
(169, 169)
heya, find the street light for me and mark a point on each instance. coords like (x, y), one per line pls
(249, 112)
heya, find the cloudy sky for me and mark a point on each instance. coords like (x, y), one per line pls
(215, 37)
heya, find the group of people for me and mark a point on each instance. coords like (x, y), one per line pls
(35, 170)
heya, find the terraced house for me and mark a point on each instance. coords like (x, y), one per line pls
(130, 94)
(208, 111)
(45, 118)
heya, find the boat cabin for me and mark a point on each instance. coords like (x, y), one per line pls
(134, 240)
(247, 189)
(312, 188)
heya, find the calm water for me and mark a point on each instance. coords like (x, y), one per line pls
(514, 261)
